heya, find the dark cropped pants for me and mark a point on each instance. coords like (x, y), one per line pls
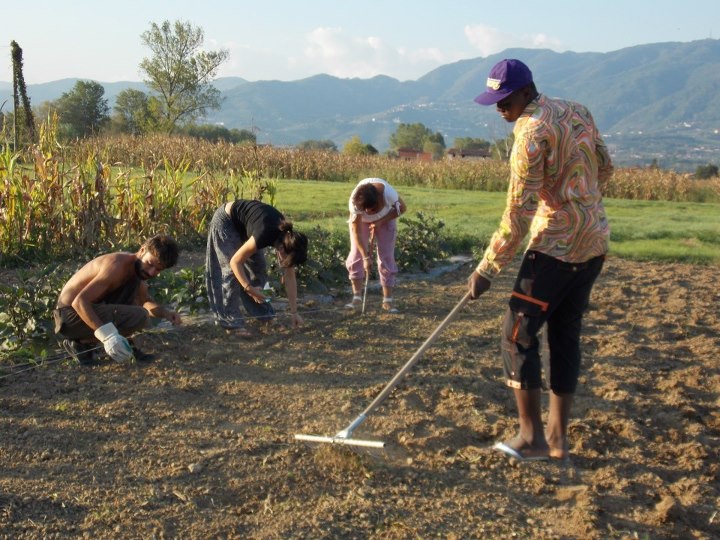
(127, 319)
(117, 307)
(556, 293)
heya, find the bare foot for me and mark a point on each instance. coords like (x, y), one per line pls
(519, 449)
(558, 447)
(240, 332)
(389, 307)
(560, 452)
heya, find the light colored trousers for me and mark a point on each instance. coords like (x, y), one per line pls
(385, 236)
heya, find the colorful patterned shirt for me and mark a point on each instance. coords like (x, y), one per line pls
(559, 166)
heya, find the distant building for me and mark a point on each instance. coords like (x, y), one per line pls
(409, 154)
(460, 153)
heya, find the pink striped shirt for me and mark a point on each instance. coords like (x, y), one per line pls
(558, 168)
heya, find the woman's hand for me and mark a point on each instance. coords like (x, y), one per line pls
(296, 320)
(256, 294)
(173, 317)
(367, 264)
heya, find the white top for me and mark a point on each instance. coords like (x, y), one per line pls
(391, 200)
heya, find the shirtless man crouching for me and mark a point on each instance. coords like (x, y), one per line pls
(108, 299)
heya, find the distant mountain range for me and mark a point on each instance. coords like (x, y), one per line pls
(657, 102)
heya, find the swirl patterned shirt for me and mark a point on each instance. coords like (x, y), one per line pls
(559, 166)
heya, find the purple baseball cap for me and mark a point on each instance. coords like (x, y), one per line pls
(505, 77)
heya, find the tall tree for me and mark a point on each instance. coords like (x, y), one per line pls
(180, 72)
(414, 136)
(133, 112)
(211, 132)
(435, 148)
(470, 143)
(83, 111)
(314, 144)
(21, 100)
(355, 147)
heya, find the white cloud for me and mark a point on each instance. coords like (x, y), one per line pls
(326, 44)
(489, 40)
(374, 42)
(427, 55)
(334, 51)
(544, 41)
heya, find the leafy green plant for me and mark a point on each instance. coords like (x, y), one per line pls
(325, 266)
(421, 243)
(26, 307)
(184, 289)
(324, 269)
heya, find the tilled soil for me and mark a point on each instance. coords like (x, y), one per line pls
(200, 442)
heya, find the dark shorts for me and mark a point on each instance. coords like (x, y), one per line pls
(127, 319)
(552, 292)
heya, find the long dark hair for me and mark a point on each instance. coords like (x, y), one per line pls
(295, 245)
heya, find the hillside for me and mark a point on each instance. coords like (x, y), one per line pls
(657, 101)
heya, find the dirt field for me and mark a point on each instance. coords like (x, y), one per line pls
(200, 443)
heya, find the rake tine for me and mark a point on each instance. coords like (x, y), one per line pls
(345, 436)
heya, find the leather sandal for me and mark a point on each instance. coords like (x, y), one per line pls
(240, 332)
(387, 305)
(355, 303)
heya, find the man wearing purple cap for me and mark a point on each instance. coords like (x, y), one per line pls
(559, 166)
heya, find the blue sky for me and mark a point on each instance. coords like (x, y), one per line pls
(293, 39)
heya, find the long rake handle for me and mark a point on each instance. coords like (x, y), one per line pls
(367, 274)
(367, 279)
(407, 367)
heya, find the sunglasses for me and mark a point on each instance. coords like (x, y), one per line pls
(506, 103)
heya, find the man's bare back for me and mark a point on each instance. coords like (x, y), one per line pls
(99, 276)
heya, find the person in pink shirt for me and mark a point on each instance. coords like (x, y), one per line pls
(559, 166)
(374, 209)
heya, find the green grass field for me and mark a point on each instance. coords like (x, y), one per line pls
(646, 230)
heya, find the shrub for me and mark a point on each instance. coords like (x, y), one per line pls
(420, 243)
(26, 307)
(325, 266)
(703, 172)
(184, 288)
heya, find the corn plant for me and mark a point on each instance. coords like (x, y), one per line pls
(11, 202)
(105, 193)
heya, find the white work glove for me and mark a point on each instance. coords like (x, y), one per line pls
(117, 347)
